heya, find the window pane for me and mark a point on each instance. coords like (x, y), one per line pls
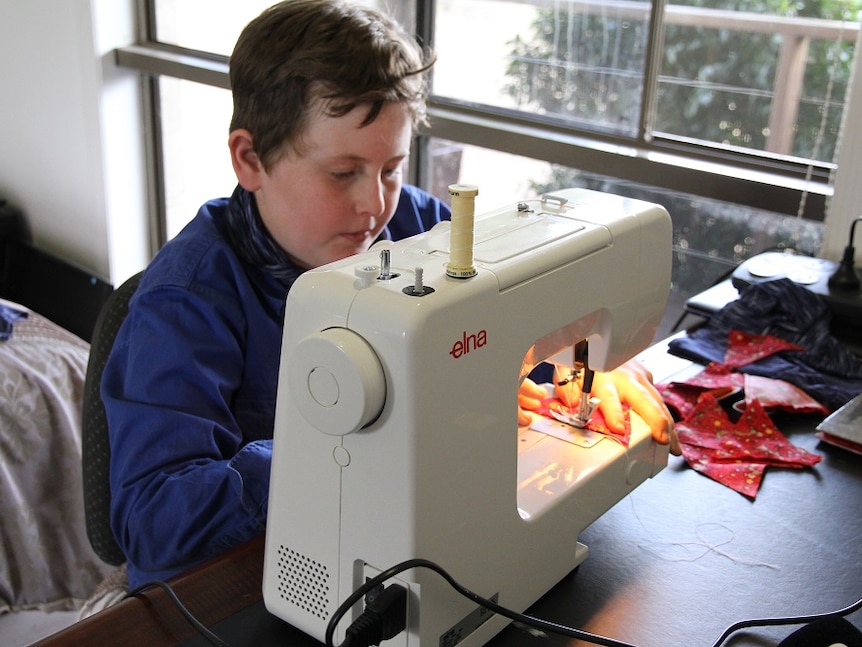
(583, 63)
(212, 25)
(709, 237)
(197, 167)
(771, 77)
(205, 25)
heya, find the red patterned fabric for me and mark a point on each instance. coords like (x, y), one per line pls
(778, 394)
(596, 423)
(717, 380)
(736, 454)
(745, 348)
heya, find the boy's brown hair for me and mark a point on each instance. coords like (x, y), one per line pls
(300, 56)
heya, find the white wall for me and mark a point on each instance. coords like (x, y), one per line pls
(846, 203)
(71, 153)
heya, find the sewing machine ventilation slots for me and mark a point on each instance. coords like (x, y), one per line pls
(396, 431)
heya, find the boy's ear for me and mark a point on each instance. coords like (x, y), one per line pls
(246, 164)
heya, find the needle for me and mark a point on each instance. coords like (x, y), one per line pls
(563, 376)
(586, 409)
(582, 356)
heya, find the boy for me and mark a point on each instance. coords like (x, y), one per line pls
(326, 98)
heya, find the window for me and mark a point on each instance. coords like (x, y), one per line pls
(209, 26)
(727, 113)
(195, 160)
(202, 25)
(757, 91)
(727, 80)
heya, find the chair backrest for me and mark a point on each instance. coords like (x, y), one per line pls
(95, 449)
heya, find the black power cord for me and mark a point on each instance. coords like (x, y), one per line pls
(188, 615)
(385, 615)
(538, 623)
(530, 621)
(798, 620)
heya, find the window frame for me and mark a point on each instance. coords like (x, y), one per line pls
(754, 179)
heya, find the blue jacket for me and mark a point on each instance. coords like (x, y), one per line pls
(190, 391)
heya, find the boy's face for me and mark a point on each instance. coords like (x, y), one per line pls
(335, 199)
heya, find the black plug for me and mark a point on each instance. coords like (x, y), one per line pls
(845, 278)
(384, 617)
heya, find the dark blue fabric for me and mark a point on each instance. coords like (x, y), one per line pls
(827, 370)
(8, 317)
(246, 234)
(190, 388)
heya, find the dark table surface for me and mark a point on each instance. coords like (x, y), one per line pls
(674, 563)
(682, 558)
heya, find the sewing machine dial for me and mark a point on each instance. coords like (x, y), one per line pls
(336, 380)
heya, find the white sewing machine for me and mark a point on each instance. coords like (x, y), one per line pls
(396, 431)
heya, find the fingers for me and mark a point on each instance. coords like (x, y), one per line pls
(530, 396)
(533, 390)
(635, 386)
(631, 383)
(660, 422)
(610, 401)
(526, 402)
(566, 389)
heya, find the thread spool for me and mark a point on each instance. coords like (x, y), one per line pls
(460, 265)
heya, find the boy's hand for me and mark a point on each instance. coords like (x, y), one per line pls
(530, 397)
(631, 383)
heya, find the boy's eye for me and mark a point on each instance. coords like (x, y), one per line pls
(348, 174)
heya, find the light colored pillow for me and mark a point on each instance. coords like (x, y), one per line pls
(46, 561)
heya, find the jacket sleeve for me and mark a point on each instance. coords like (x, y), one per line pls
(185, 483)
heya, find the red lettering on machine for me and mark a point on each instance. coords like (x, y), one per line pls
(468, 343)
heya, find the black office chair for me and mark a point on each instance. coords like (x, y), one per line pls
(95, 449)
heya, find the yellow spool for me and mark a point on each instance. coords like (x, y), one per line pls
(460, 265)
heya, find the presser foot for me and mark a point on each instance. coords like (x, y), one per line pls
(582, 417)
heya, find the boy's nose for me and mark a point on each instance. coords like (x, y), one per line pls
(371, 199)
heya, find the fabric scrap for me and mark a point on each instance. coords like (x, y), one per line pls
(596, 423)
(826, 370)
(746, 348)
(8, 317)
(778, 394)
(736, 454)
